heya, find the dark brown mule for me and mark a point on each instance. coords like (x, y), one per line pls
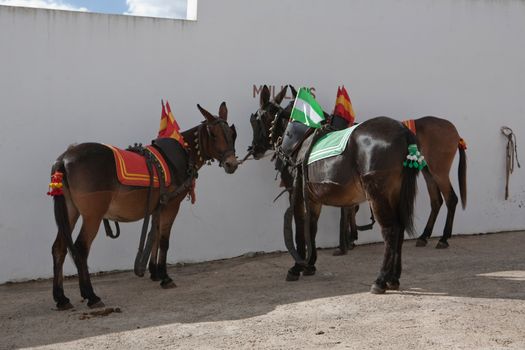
(371, 167)
(92, 190)
(438, 140)
(268, 124)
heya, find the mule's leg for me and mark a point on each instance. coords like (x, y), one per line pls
(167, 217)
(387, 267)
(393, 282)
(315, 211)
(153, 262)
(435, 204)
(451, 201)
(352, 212)
(343, 232)
(386, 217)
(88, 232)
(294, 272)
(59, 252)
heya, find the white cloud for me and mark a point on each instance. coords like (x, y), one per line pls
(157, 8)
(47, 4)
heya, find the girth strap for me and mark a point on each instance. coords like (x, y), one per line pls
(109, 231)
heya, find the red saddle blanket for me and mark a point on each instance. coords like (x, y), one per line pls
(132, 170)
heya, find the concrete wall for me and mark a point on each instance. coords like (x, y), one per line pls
(72, 77)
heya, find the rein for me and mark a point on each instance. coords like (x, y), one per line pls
(247, 156)
(511, 156)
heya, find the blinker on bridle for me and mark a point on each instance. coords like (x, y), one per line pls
(257, 118)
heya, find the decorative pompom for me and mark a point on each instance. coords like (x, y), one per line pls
(415, 160)
(55, 186)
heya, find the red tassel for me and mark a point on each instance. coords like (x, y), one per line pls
(55, 186)
(462, 144)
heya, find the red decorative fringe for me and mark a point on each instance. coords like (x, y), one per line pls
(462, 144)
(55, 186)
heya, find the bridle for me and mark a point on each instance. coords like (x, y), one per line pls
(259, 119)
(229, 133)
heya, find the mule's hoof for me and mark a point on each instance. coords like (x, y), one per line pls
(442, 245)
(154, 278)
(421, 242)
(339, 252)
(96, 304)
(392, 285)
(351, 246)
(64, 306)
(309, 271)
(292, 277)
(167, 283)
(377, 289)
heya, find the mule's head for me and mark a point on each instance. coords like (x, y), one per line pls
(264, 122)
(219, 138)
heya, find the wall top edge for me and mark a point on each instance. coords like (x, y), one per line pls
(30, 10)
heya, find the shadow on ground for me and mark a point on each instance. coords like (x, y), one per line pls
(486, 266)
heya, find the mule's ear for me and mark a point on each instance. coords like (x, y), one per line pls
(280, 96)
(205, 113)
(294, 92)
(265, 96)
(223, 111)
(234, 131)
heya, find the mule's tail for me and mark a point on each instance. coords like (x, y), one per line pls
(58, 180)
(408, 193)
(462, 172)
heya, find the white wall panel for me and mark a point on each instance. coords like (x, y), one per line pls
(70, 77)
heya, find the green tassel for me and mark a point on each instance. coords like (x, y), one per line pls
(414, 158)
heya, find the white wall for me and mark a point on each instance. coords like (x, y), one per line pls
(71, 77)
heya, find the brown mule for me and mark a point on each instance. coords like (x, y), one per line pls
(438, 140)
(91, 190)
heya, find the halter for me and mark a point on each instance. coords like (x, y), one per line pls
(257, 118)
(230, 140)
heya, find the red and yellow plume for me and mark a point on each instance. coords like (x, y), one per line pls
(169, 128)
(343, 106)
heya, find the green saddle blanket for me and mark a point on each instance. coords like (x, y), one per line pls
(331, 144)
